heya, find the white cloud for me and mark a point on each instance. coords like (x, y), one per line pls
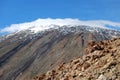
(42, 24)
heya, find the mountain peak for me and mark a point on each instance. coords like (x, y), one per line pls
(43, 24)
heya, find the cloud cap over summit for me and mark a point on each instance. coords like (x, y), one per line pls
(42, 24)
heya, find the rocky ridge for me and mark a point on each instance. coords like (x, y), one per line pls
(101, 62)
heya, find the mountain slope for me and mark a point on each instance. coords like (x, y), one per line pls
(101, 62)
(24, 54)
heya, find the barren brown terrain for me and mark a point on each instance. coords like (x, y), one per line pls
(101, 62)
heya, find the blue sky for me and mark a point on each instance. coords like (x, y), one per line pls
(18, 11)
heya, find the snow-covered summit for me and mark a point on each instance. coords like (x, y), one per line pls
(43, 24)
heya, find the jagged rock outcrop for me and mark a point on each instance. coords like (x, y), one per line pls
(101, 62)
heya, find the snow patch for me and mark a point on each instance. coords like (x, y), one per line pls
(43, 24)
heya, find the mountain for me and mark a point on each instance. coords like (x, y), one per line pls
(101, 62)
(31, 51)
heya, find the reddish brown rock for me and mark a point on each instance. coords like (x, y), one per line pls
(101, 62)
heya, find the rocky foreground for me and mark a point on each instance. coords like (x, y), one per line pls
(101, 62)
